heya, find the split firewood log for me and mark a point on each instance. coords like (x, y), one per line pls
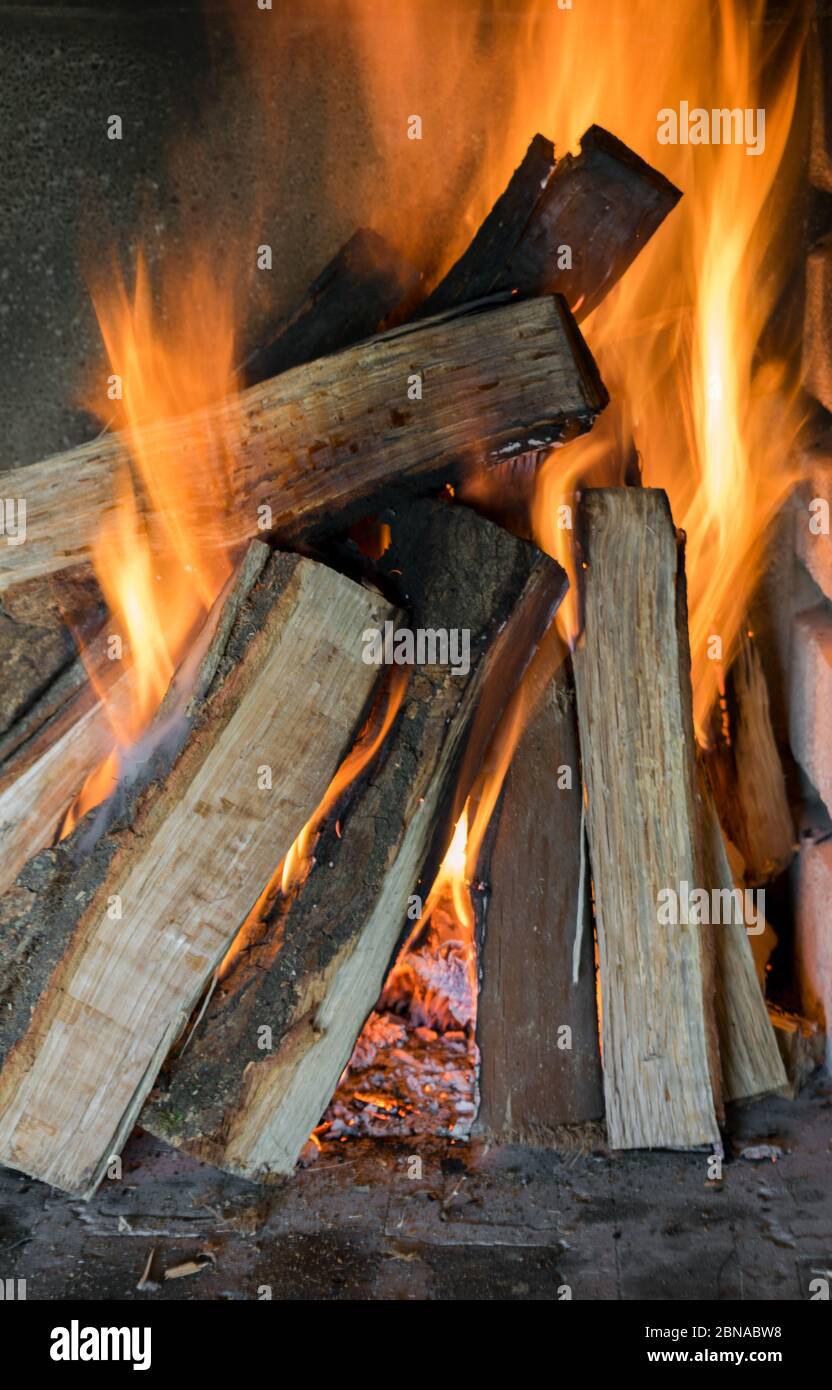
(357, 440)
(632, 678)
(419, 406)
(747, 774)
(750, 1060)
(571, 228)
(107, 941)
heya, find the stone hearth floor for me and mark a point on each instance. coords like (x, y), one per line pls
(481, 1223)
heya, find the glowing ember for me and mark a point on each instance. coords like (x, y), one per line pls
(418, 1048)
(416, 1056)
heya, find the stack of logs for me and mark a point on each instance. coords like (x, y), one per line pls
(151, 968)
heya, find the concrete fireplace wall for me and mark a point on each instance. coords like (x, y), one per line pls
(70, 196)
(198, 134)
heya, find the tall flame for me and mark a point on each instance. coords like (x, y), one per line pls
(449, 97)
(298, 859)
(158, 582)
(679, 341)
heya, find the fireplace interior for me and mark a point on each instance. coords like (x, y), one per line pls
(416, 636)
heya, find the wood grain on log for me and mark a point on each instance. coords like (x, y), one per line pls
(748, 1053)
(317, 967)
(328, 437)
(107, 942)
(747, 775)
(602, 206)
(534, 1078)
(632, 677)
(45, 758)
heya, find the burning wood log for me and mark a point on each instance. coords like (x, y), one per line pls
(747, 774)
(661, 1064)
(415, 406)
(350, 300)
(482, 266)
(572, 229)
(537, 1023)
(107, 941)
(311, 973)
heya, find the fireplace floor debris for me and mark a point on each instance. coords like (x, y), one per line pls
(498, 1224)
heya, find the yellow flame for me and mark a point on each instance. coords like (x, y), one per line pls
(159, 582)
(678, 341)
(452, 878)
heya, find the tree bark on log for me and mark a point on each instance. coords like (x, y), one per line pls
(107, 941)
(368, 283)
(482, 266)
(747, 775)
(632, 677)
(536, 1078)
(602, 205)
(313, 972)
(326, 439)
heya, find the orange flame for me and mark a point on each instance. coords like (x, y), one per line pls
(678, 341)
(447, 922)
(452, 94)
(159, 583)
